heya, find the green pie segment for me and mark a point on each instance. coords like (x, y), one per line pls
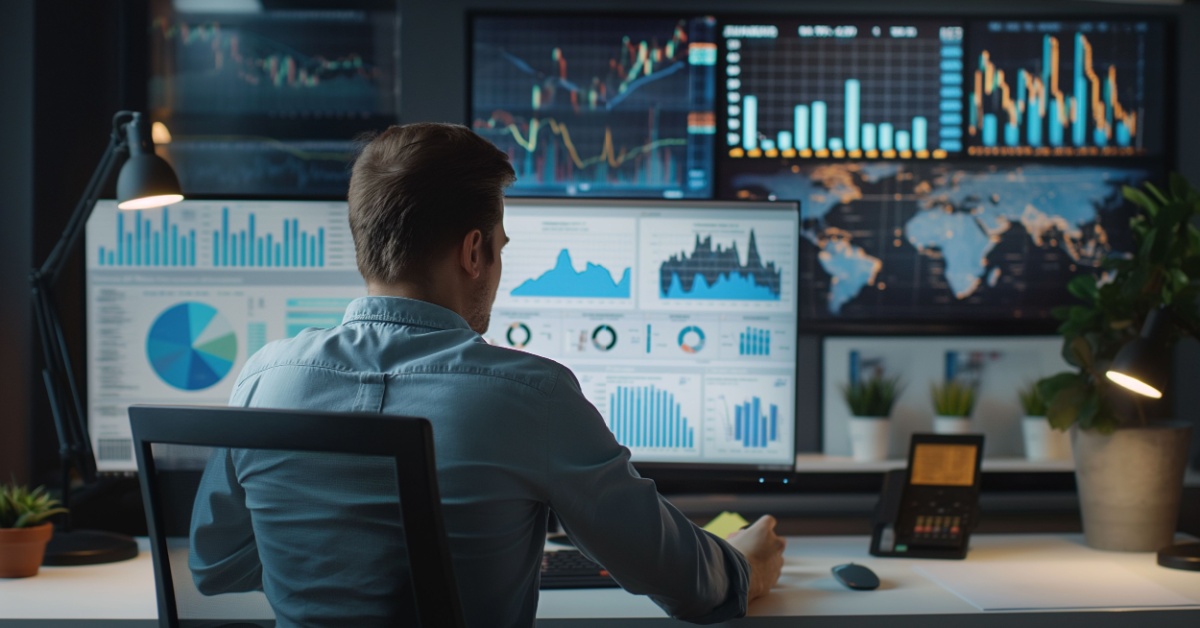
(191, 346)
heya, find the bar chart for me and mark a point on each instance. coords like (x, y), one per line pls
(251, 247)
(142, 241)
(754, 341)
(855, 90)
(224, 235)
(755, 424)
(649, 417)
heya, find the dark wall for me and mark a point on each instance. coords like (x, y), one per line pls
(67, 95)
(75, 85)
(16, 256)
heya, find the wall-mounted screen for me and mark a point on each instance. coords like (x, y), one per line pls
(179, 297)
(266, 103)
(617, 105)
(951, 171)
(679, 320)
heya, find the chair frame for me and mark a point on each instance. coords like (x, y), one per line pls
(407, 440)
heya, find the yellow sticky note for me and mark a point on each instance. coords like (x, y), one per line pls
(725, 524)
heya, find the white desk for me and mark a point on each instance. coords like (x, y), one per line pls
(122, 594)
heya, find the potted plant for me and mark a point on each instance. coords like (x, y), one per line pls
(1128, 467)
(24, 529)
(1041, 441)
(953, 401)
(870, 400)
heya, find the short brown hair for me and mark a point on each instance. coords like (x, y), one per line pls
(418, 189)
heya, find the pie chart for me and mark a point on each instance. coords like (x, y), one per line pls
(191, 346)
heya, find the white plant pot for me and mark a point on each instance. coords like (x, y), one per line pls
(869, 438)
(1043, 442)
(951, 424)
(1130, 484)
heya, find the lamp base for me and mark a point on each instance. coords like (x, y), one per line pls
(88, 547)
(1181, 556)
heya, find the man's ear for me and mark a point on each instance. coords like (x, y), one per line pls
(471, 253)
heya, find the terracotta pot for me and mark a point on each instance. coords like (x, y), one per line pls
(22, 549)
(1130, 484)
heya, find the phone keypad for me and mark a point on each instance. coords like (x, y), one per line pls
(937, 527)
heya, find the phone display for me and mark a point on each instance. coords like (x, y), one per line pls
(929, 509)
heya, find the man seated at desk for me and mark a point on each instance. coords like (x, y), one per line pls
(514, 435)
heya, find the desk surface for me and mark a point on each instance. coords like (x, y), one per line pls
(122, 594)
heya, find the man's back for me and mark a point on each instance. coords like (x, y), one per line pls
(513, 436)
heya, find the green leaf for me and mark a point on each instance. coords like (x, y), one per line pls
(1137, 197)
(1171, 214)
(1149, 240)
(1156, 192)
(1088, 409)
(1084, 287)
(1179, 186)
(1081, 349)
(1049, 387)
(1063, 408)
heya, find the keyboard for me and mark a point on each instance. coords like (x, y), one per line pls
(570, 569)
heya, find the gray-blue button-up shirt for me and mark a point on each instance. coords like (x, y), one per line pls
(514, 436)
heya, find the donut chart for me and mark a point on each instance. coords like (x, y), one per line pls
(191, 346)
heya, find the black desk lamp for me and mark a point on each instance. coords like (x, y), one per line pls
(1140, 367)
(145, 181)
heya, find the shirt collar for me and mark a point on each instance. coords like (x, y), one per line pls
(403, 311)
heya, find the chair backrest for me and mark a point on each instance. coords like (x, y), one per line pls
(407, 440)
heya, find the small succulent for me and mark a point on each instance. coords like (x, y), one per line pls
(872, 396)
(953, 398)
(1031, 400)
(21, 507)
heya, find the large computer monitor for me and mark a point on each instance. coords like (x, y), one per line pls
(678, 319)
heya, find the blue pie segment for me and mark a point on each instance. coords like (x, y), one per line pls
(191, 346)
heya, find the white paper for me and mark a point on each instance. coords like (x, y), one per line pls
(1033, 585)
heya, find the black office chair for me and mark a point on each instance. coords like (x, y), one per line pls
(409, 441)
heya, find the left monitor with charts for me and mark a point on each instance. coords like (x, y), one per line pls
(179, 297)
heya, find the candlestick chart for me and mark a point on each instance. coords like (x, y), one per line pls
(602, 107)
(1068, 89)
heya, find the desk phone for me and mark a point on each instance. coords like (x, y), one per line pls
(929, 509)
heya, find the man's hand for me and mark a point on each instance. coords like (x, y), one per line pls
(763, 549)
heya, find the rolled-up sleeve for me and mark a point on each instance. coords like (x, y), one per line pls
(619, 519)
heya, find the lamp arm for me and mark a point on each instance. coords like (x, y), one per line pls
(66, 407)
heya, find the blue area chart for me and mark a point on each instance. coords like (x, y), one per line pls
(718, 274)
(191, 346)
(563, 280)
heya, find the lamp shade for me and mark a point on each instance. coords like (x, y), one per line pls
(146, 181)
(1141, 365)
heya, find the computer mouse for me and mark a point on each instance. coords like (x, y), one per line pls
(856, 577)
